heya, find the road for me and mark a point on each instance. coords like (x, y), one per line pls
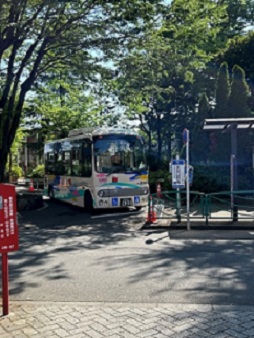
(69, 255)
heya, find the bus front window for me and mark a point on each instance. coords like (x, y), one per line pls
(119, 154)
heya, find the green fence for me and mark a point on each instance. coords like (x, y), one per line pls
(226, 205)
(235, 205)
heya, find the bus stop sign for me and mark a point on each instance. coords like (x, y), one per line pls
(8, 219)
(178, 174)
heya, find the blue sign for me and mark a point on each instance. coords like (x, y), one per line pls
(136, 199)
(114, 202)
(178, 162)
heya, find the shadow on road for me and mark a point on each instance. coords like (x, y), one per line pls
(56, 229)
(192, 271)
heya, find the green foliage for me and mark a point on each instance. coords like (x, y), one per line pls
(239, 52)
(60, 106)
(238, 99)
(159, 174)
(239, 16)
(78, 37)
(15, 148)
(158, 81)
(222, 92)
(16, 171)
(159, 52)
(37, 172)
(199, 138)
(211, 178)
(206, 179)
(203, 108)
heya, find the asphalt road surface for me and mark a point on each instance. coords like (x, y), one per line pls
(67, 254)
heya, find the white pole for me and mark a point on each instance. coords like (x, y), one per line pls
(187, 181)
(232, 157)
(178, 199)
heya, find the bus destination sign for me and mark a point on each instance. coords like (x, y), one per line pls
(8, 219)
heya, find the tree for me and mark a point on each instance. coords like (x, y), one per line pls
(222, 92)
(36, 36)
(59, 106)
(240, 16)
(240, 52)
(238, 107)
(238, 99)
(200, 147)
(157, 81)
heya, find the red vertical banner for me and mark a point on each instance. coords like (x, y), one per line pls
(8, 219)
(8, 235)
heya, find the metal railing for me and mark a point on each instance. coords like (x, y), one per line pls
(226, 205)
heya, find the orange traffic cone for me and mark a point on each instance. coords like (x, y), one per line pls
(151, 216)
(31, 185)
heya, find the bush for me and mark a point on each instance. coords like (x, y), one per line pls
(211, 179)
(155, 175)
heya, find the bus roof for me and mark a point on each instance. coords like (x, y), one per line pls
(93, 131)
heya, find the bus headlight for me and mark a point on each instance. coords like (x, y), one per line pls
(102, 193)
(145, 191)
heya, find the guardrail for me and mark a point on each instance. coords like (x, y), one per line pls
(226, 205)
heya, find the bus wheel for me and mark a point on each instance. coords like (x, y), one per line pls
(88, 201)
(51, 192)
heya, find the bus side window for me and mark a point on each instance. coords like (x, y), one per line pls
(87, 158)
(59, 164)
(76, 158)
(50, 163)
(59, 159)
(67, 162)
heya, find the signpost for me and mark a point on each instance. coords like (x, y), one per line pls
(8, 235)
(178, 181)
(186, 138)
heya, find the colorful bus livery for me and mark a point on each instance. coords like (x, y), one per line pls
(98, 168)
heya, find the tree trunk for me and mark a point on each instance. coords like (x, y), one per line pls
(10, 162)
(3, 161)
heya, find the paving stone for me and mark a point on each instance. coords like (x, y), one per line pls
(147, 333)
(93, 334)
(131, 329)
(106, 321)
(62, 333)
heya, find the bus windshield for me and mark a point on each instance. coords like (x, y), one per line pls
(119, 154)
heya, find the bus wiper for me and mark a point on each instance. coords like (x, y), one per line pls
(115, 170)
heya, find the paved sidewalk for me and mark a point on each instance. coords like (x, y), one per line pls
(98, 320)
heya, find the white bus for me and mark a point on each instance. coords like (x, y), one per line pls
(98, 168)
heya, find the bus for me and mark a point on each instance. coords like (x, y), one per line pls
(98, 168)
